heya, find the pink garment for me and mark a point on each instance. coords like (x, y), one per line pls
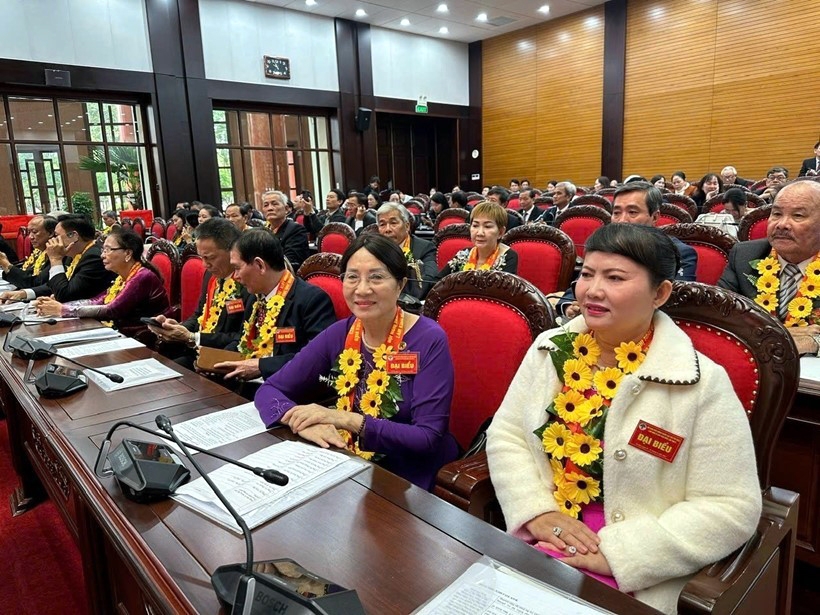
(594, 519)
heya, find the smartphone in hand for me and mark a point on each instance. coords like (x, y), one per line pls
(151, 321)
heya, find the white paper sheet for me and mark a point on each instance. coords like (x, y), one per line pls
(311, 471)
(810, 370)
(134, 374)
(222, 427)
(11, 307)
(100, 333)
(86, 350)
(490, 588)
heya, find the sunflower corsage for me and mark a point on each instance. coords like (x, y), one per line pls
(802, 311)
(572, 434)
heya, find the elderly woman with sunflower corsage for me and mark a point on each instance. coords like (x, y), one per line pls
(388, 374)
(619, 448)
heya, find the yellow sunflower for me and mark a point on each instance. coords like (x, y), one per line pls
(275, 303)
(813, 270)
(596, 405)
(555, 438)
(370, 404)
(768, 265)
(577, 375)
(768, 283)
(350, 361)
(565, 504)
(583, 449)
(630, 356)
(378, 381)
(586, 348)
(800, 307)
(344, 384)
(572, 407)
(607, 381)
(343, 404)
(811, 288)
(579, 488)
(380, 355)
(767, 302)
(557, 472)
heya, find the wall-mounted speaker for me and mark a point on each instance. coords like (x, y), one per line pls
(363, 119)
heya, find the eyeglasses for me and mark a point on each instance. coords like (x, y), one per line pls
(106, 249)
(374, 279)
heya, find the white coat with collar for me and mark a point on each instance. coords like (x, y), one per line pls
(665, 521)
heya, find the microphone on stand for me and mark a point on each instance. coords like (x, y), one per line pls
(57, 380)
(26, 347)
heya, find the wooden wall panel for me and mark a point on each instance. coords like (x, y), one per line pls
(720, 82)
(541, 104)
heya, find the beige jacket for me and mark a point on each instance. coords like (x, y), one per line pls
(665, 521)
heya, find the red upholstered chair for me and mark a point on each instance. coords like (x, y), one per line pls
(607, 193)
(711, 244)
(170, 231)
(546, 256)
(753, 200)
(672, 214)
(580, 191)
(450, 240)
(715, 204)
(682, 201)
(451, 215)
(322, 270)
(413, 208)
(165, 257)
(335, 237)
(593, 199)
(370, 228)
(139, 228)
(543, 201)
(510, 312)
(513, 203)
(580, 222)
(763, 366)
(474, 200)
(158, 228)
(132, 214)
(758, 185)
(754, 224)
(190, 286)
(23, 243)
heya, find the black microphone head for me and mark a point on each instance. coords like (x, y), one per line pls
(164, 423)
(50, 321)
(115, 378)
(274, 477)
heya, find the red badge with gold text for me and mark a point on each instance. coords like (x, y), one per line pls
(285, 335)
(656, 441)
(235, 306)
(403, 363)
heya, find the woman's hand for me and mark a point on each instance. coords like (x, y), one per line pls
(299, 418)
(594, 562)
(247, 369)
(48, 306)
(573, 533)
(323, 435)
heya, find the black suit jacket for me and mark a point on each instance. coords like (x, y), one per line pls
(315, 221)
(294, 239)
(369, 218)
(512, 221)
(228, 327)
(424, 251)
(809, 164)
(307, 309)
(25, 278)
(734, 275)
(535, 213)
(90, 278)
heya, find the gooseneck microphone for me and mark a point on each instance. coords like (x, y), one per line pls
(22, 346)
(111, 376)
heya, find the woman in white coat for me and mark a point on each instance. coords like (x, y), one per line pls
(618, 447)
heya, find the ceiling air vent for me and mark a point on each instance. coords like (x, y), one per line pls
(501, 21)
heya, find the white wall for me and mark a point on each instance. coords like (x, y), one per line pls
(407, 65)
(237, 34)
(99, 33)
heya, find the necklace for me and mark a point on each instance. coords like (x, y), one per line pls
(472, 260)
(215, 302)
(36, 259)
(767, 283)
(116, 288)
(383, 393)
(76, 260)
(258, 338)
(571, 436)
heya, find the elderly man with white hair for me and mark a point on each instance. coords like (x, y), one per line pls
(729, 176)
(292, 235)
(394, 223)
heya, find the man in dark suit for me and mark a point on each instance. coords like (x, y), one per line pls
(562, 197)
(500, 196)
(637, 203)
(394, 223)
(34, 271)
(259, 263)
(811, 166)
(292, 235)
(729, 176)
(334, 212)
(75, 267)
(529, 210)
(793, 234)
(218, 319)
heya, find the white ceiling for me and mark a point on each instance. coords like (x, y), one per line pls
(460, 19)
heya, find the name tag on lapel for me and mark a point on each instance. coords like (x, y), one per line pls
(285, 335)
(234, 306)
(656, 441)
(403, 363)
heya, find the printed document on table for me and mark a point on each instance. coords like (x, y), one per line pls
(221, 427)
(490, 588)
(30, 314)
(86, 350)
(311, 471)
(86, 335)
(810, 372)
(134, 374)
(15, 306)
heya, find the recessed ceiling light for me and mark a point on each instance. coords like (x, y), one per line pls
(481, 17)
(443, 30)
(310, 2)
(544, 9)
(442, 8)
(405, 22)
(361, 13)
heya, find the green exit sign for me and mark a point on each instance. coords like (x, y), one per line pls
(421, 108)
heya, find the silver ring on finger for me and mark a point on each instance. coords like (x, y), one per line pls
(572, 550)
(557, 531)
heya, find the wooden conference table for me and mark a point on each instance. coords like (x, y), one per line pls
(397, 545)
